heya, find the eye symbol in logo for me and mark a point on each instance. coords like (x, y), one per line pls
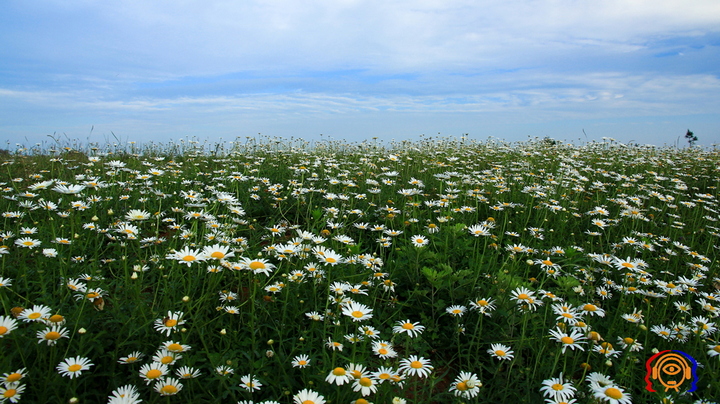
(671, 369)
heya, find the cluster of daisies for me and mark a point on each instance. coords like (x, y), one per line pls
(631, 236)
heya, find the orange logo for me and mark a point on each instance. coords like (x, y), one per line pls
(671, 369)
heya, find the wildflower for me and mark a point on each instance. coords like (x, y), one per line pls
(51, 335)
(186, 256)
(478, 230)
(168, 387)
(217, 251)
(187, 372)
(557, 389)
(153, 371)
(7, 325)
(16, 376)
(714, 350)
(466, 385)
(166, 357)
(27, 242)
(73, 367)
(338, 376)
(365, 385)
(568, 340)
(419, 241)
(315, 316)
(257, 265)
(306, 396)
(357, 311)
(137, 215)
(501, 352)
(37, 313)
(127, 394)
(11, 392)
(415, 366)
(409, 328)
(630, 343)
(484, 306)
(301, 361)
(224, 370)
(176, 347)
(634, 317)
(456, 311)
(250, 383)
(593, 310)
(612, 394)
(170, 323)
(132, 358)
(334, 345)
(383, 349)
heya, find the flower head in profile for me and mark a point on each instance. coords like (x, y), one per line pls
(52, 334)
(127, 394)
(258, 266)
(168, 386)
(7, 325)
(301, 361)
(73, 367)
(37, 313)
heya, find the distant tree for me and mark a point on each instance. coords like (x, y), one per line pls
(691, 138)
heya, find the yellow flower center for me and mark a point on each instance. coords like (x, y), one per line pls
(365, 382)
(308, 402)
(52, 335)
(547, 262)
(166, 360)
(612, 392)
(382, 351)
(356, 374)
(482, 302)
(218, 254)
(523, 296)
(628, 340)
(339, 372)
(170, 323)
(408, 326)
(56, 318)
(416, 365)
(153, 374)
(567, 315)
(9, 393)
(28, 243)
(255, 265)
(74, 368)
(557, 386)
(34, 316)
(361, 401)
(13, 377)
(500, 353)
(462, 386)
(131, 359)
(3, 330)
(92, 295)
(589, 307)
(189, 258)
(174, 347)
(567, 340)
(671, 285)
(357, 314)
(169, 389)
(628, 265)
(331, 260)
(302, 363)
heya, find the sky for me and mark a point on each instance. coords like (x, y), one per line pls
(642, 71)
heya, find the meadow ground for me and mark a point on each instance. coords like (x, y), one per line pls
(434, 271)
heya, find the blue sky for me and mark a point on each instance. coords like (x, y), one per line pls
(634, 70)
